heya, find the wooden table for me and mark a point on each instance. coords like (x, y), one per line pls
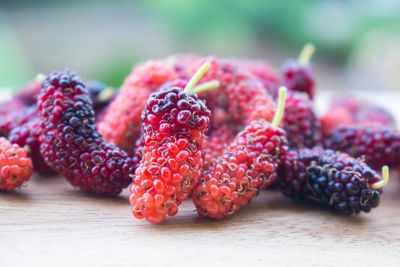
(48, 222)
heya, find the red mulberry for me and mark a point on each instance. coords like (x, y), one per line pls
(174, 122)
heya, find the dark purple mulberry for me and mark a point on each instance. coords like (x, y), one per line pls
(70, 142)
(332, 179)
(379, 146)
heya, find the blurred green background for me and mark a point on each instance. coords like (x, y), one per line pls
(358, 42)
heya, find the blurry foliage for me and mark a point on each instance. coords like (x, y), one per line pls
(229, 27)
(114, 73)
(332, 25)
(14, 67)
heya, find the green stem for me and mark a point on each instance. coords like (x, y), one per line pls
(280, 108)
(206, 86)
(196, 77)
(306, 54)
(382, 183)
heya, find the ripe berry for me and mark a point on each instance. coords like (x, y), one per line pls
(265, 73)
(121, 123)
(27, 136)
(249, 164)
(249, 101)
(300, 121)
(331, 179)
(70, 143)
(15, 166)
(379, 146)
(350, 110)
(13, 113)
(218, 140)
(298, 75)
(174, 122)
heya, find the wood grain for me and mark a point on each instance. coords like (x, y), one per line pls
(48, 222)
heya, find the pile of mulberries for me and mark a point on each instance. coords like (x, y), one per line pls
(216, 130)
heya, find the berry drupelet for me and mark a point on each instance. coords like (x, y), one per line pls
(249, 164)
(70, 143)
(175, 122)
(300, 121)
(378, 146)
(331, 179)
(15, 166)
(298, 74)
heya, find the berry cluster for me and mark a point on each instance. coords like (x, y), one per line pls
(217, 130)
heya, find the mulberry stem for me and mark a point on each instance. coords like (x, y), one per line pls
(382, 183)
(280, 108)
(206, 86)
(196, 77)
(306, 54)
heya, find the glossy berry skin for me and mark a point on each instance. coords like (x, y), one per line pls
(379, 146)
(15, 166)
(175, 124)
(248, 165)
(300, 121)
(70, 143)
(121, 124)
(299, 78)
(27, 136)
(332, 179)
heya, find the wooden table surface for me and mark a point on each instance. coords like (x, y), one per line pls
(48, 222)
